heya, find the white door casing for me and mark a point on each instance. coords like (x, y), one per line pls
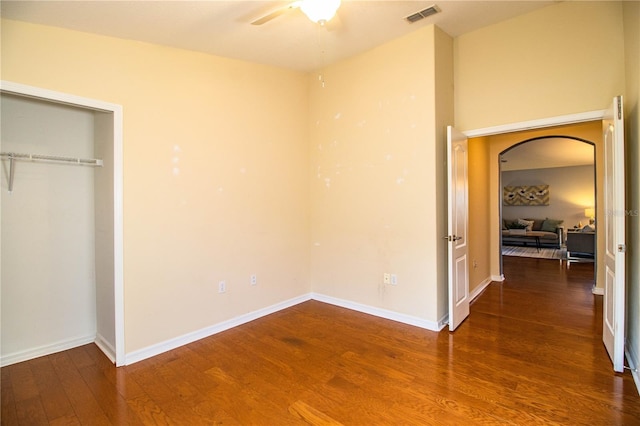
(613, 313)
(458, 197)
(116, 354)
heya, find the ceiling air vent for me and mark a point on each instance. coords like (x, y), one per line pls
(423, 14)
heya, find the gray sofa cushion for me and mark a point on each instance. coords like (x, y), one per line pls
(551, 225)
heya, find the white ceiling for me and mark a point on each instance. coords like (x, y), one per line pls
(547, 153)
(290, 41)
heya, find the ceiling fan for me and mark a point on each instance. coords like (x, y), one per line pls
(318, 11)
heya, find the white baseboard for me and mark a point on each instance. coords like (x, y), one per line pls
(497, 278)
(597, 290)
(106, 347)
(480, 288)
(170, 344)
(185, 339)
(32, 353)
(383, 313)
(634, 364)
(443, 322)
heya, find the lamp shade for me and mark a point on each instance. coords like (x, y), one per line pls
(320, 10)
(589, 212)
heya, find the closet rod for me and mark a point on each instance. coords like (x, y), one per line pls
(52, 159)
(14, 156)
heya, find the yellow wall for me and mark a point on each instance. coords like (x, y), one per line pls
(215, 172)
(375, 144)
(479, 248)
(563, 59)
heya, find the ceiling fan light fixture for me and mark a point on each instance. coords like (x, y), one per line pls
(320, 11)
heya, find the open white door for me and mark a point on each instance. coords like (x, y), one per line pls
(457, 169)
(614, 234)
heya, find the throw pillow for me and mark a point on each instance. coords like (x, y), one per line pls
(551, 225)
(527, 223)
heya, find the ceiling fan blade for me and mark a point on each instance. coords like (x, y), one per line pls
(268, 17)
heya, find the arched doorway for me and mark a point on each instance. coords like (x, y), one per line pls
(562, 169)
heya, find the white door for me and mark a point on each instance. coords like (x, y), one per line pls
(457, 169)
(614, 234)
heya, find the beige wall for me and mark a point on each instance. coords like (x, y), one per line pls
(480, 271)
(563, 59)
(375, 144)
(215, 172)
(632, 132)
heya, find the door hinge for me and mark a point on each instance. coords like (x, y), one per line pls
(622, 248)
(619, 108)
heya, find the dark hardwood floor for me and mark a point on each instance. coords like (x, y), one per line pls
(530, 353)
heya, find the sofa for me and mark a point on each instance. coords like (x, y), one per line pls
(551, 232)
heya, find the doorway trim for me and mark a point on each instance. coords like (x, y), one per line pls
(537, 124)
(116, 110)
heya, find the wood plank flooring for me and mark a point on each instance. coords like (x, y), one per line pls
(529, 354)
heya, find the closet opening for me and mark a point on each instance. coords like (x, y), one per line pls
(61, 224)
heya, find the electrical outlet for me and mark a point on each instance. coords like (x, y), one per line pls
(222, 287)
(394, 279)
(386, 278)
(254, 279)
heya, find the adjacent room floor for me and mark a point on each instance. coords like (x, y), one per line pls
(530, 353)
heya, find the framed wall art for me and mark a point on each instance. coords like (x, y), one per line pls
(535, 195)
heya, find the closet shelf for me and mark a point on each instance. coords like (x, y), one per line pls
(52, 159)
(38, 158)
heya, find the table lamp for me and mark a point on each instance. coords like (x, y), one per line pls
(591, 214)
